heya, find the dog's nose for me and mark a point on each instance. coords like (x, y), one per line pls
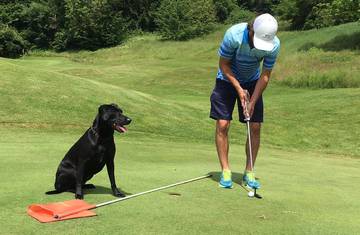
(128, 120)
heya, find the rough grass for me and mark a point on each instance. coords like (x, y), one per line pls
(325, 58)
(165, 88)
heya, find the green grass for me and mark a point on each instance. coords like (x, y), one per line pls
(304, 193)
(325, 58)
(308, 161)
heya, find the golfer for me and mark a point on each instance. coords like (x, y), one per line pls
(244, 48)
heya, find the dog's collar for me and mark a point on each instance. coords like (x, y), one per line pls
(95, 132)
(97, 135)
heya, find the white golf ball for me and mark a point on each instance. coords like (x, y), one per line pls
(251, 194)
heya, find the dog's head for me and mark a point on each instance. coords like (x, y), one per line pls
(112, 116)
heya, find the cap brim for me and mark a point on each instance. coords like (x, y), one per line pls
(263, 45)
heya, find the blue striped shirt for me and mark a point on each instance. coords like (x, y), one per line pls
(245, 62)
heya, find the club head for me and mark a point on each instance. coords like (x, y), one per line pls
(258, 196)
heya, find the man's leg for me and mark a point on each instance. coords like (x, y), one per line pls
(222, 142)
(222, 100)
(222, 147)
(255, 128)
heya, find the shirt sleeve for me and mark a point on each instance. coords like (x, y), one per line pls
(229, 45)
(270, 59)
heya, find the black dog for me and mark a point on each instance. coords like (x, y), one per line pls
(89, 155)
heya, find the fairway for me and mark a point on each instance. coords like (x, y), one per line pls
(308, 163)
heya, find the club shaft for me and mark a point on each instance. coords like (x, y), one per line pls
(250, 147)
(150, 191)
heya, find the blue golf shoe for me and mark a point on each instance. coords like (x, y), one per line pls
(225, 180)
(250, 181)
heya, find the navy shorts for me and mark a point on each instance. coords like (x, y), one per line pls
(223, 100)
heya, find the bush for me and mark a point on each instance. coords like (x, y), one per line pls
(185, 19)
(140, 14)
(12, 45)
(240, 15)
(10, 13)
(333, 13)
(90, 25)
(37, 21)
(307, 14)
(32, 20)
(223, 9)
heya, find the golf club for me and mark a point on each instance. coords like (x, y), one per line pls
(247, 119)
(79, 208)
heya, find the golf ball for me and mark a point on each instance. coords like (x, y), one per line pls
(251, 194)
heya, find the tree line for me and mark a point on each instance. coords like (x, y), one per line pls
(92, 24)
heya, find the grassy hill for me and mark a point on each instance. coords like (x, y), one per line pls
(310, 138)
(165, 88)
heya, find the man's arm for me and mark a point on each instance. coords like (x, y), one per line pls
(259, 88)
(225, 66)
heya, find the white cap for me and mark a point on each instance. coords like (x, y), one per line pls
(265, 28)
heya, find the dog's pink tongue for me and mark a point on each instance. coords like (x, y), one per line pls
(121, 129)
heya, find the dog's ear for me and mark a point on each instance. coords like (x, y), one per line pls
(105, 116)
(102, 113)
(101, 108)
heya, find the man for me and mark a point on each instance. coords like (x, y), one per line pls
(242, 50)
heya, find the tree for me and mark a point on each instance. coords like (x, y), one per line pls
(90, 25)
(306, 14)
(185, 19)
(140, 13)
(12, 45)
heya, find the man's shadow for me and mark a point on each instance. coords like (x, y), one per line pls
(236, 177)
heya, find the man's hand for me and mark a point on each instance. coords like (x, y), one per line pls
(248, 108)
(243, 98)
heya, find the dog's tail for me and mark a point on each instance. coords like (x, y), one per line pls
(53, 192)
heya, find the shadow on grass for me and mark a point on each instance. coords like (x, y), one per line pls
(236, 177)
(103, 190)
(338, 43)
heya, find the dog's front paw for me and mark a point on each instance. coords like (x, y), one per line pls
(79, 196)
(118, 193)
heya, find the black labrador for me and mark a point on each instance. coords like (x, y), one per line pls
(89, 155)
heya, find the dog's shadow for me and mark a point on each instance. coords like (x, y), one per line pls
(102, 190)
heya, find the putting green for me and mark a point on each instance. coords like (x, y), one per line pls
(304, 193)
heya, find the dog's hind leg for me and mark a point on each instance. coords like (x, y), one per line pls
(65, 183)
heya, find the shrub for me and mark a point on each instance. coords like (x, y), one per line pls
(333, 13)
(32, 20)
(12, 45)
(37, 21)
(223, 9)
(240, 15)
(185, 19)
(307, 14)
(90, 25)
(140, 14)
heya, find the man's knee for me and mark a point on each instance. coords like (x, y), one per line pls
(222, 127)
